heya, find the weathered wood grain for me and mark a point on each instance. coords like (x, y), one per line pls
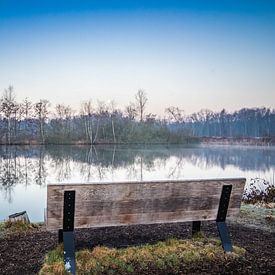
(110, 204)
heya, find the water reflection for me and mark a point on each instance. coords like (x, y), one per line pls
(42, 164)
(25, 171)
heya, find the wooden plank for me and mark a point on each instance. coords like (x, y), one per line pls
(123, 203)
(101, 208)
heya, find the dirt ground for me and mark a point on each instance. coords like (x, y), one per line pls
(24, 253)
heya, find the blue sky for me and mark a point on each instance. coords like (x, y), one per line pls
(191, 54)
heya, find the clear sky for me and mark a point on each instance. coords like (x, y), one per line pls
(191, 54)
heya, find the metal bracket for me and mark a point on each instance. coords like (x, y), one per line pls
(221, 217)
(68, 231)
(68, 211)
(196, 227)
(224, 203)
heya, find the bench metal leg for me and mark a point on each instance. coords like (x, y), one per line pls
(221, 217)
(196, 227)
(69, 252)
(60, 236)
(225, 237)
(68, 231)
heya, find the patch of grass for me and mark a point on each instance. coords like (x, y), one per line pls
(198, 235)
(18, 226)
(257, 212)
(257, 216)
(167, 256)
(2, 225)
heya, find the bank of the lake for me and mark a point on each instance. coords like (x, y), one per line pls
(189, 140)
(249, 141)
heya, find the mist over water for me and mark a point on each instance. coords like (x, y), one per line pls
(25, 171)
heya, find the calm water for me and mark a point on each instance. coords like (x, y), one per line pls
(26, 171)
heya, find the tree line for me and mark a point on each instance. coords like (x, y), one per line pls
(244, 123)
(39, 122)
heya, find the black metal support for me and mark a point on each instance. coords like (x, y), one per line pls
(196, 227)
(68, 231)
(221, 217)
(60, 236)
(68, 211)
(225, 237)
(69, 252)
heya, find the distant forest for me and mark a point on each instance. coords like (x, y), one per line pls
(29, 122)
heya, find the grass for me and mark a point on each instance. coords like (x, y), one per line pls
(258, 215)
(166, 256)
(18, 226)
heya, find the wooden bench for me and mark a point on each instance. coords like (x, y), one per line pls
(71, 206)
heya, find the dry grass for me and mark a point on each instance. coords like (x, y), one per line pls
(18, 226)
(169, 256)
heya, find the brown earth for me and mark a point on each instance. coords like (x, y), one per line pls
(24, 253)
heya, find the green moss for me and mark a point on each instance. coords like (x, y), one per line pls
(198, 235)
(55, 255)
(168, 256)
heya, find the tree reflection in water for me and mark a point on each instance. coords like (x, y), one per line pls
(42, 164)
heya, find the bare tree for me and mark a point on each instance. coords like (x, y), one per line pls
(42, 111)
(60, 115)
(102, 115)
(17, 115)
(26, 112)
(68, 114)
(175, 114)
(141, 100)
(59, 109)
(131, 111)
(113, 113)
(63, 111)
(8, 105)
(27, 108)
(87, 113)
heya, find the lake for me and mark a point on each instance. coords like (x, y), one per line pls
(25, 171)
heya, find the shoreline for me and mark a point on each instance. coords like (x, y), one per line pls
(248, 141)
(238, 141)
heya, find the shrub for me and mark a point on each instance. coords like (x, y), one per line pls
(259, 190)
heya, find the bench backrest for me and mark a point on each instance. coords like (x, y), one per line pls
(124, 203)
